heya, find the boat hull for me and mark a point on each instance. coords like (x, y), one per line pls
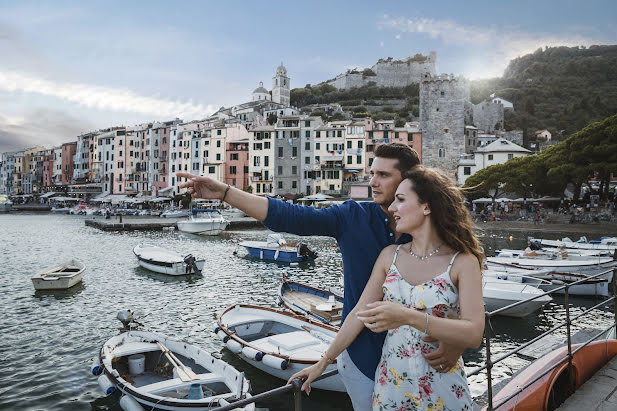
(281, 337)
(586, 362)
(202, 228)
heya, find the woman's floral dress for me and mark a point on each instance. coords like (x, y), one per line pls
(404, 380)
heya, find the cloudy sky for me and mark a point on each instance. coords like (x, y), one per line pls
(68, 67)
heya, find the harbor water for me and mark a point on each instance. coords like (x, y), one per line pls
(50, 338)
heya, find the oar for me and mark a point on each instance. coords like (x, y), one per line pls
(181, 373)
(187, 370)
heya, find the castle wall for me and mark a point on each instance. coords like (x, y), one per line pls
(390, 73)
(443, 101)
(488, 114)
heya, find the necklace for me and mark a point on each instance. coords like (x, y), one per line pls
(424, 257)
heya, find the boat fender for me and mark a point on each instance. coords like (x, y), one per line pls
(105, 384)
(96, 366)
(224, 337)
(128, 403)
(234, 346)
(275, 362)
(252, 353)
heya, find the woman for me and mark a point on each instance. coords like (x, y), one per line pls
(430, 286)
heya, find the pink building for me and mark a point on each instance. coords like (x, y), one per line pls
(68, 151)
(236, 163)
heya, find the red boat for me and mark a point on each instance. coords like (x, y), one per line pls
(550, 391)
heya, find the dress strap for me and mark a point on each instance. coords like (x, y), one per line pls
(452, 261)
(395, 255)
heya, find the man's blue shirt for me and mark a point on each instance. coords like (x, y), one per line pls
(362, 230)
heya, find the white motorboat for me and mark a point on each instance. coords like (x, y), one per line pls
(604, 243)
(277, 342)
(59, 277)
(153, 371)
(5, 204)
(204, 221)
(567, 270)
(498, 293)
(164, 261)
(174, 212)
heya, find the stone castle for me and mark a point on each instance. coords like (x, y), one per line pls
(388, 73)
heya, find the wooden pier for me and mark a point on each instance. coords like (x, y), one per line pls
(131, 223)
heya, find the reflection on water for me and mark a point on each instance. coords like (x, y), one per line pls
(50, 337)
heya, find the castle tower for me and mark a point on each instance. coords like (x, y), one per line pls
(443, 106)
(280, 86)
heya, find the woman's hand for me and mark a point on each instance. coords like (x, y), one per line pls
(309, 374)
(384, 315)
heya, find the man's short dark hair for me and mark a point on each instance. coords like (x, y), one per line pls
(407, 157)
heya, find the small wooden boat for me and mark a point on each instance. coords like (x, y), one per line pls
(153, 371)
(204, 221)
(165, 261)
(552, 389)
(498, 293)
(277, 342)
(324, 305)
(277, 249)
(59, 277)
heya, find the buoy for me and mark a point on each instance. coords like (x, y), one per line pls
(128, 403)
(96, 366)
(224, 337)
(252, 353)
(234, 346)
(106, 386)
(275, 362)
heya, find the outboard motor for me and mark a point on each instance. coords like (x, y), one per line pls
(191, 264)
(127, 320)
(306, 252)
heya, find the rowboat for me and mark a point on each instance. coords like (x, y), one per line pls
(203, 221)
(498, 293)
(59, 277)
(277, 342)
(165, 261)
(322, 305)
(549, 391)
(153, 371)
(277, 249)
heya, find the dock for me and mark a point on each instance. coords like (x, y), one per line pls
(132, 223)
(599, 393)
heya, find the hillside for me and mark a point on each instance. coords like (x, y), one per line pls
(561, 89)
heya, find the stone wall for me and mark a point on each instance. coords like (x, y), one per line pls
(487, 115)
(443, 102)
(389, 73)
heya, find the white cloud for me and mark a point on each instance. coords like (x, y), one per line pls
(500, 44)
(102, 98)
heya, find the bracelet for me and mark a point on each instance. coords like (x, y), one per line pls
(426, 324)
(328, 359)
(225, 194)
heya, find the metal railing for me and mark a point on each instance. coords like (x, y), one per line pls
(294, 387)
(490, 363)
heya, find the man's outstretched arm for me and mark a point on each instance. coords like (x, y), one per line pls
(205, 187)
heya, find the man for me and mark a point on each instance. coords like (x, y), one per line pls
(362, 230)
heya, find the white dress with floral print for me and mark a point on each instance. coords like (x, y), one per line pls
(404, 380)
